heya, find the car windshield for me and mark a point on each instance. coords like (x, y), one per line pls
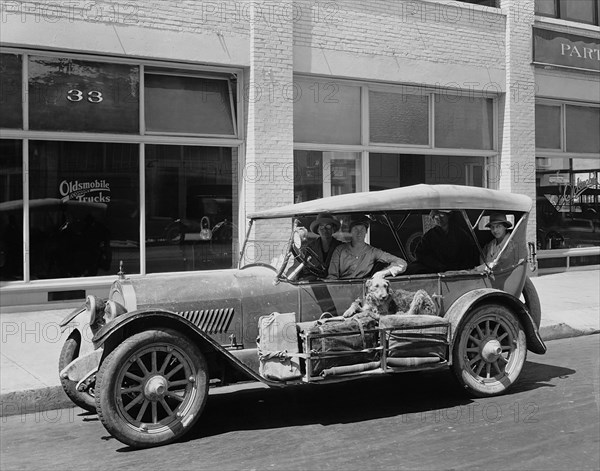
(398, 233)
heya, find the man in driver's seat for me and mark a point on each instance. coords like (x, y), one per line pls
(321, 249)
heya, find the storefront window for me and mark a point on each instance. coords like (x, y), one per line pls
(463, 122)
(189, 208)
(568, 203)
(547, 127)
(583, 123)
(326, 112)
(11, 101)
(75, 95)
(190, 105)
(318, 174)
(398, 118)
(84, 208)
(396, 170)
(11, 210)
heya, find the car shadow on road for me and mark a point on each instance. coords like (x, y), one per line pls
(539, 375)
(348, 402)
(370, 398)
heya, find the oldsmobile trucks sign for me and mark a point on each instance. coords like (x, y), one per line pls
(565, 50)
(96, 191)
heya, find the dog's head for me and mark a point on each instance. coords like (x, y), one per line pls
(378, 290)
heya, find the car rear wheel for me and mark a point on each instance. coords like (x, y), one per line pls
(489, 350)
(153, 388)
(70, 351)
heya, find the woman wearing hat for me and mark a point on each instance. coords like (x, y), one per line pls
(499, 227)
(322, 248)
(356, 258)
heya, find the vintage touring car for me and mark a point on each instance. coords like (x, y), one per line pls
(160, 341)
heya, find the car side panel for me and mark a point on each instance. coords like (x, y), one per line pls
(327, 296)
(260, 296)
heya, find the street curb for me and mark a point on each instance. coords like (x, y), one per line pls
(32, 401)
(562, 331)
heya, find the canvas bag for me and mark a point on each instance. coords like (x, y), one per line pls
(277, 345)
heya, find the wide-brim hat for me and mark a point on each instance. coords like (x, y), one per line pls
(324, 218)
(499, 218)
(433, 212)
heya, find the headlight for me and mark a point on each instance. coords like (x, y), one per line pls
(94, 306)
(112, 310)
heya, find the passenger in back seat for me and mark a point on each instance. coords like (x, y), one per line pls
(446, 246)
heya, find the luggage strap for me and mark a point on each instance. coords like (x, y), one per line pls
(360, 327)
(280, 355)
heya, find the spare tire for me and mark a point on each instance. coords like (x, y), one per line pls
(532, 301)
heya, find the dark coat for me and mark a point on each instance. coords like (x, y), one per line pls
(439, 251)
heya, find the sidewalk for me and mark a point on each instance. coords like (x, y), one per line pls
(31, 342)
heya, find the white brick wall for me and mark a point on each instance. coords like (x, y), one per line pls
(517, 133)
(269, 148)
(400, 33)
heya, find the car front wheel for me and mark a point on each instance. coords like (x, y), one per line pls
(153, 388)
(489, 350)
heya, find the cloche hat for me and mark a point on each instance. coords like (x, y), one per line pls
(324, 218)
(499, 218)
(356, 220)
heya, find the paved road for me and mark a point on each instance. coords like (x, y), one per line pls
(550, 420)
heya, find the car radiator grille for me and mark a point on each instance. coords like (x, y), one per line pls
(213, 321)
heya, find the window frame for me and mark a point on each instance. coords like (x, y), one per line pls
(562, 152)
(490, 157)
(559, 15)
(141, 138)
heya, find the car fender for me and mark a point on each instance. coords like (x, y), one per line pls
(469, 301)
(79, 320)
(110, 335)
(72, 315)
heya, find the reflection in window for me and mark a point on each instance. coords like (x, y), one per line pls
(318, 174)
(84, 209)
(326, 112)
(463, 122)
(189, 105)
(189, 208)
(398, 118)
(11, 210)
(568, 203)
(11, 102)
(75, 95)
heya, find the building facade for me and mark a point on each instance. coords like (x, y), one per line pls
(144, 132)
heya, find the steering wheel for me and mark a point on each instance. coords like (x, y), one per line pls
(310, 260)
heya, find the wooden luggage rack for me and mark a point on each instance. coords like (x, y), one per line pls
(417, 344)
